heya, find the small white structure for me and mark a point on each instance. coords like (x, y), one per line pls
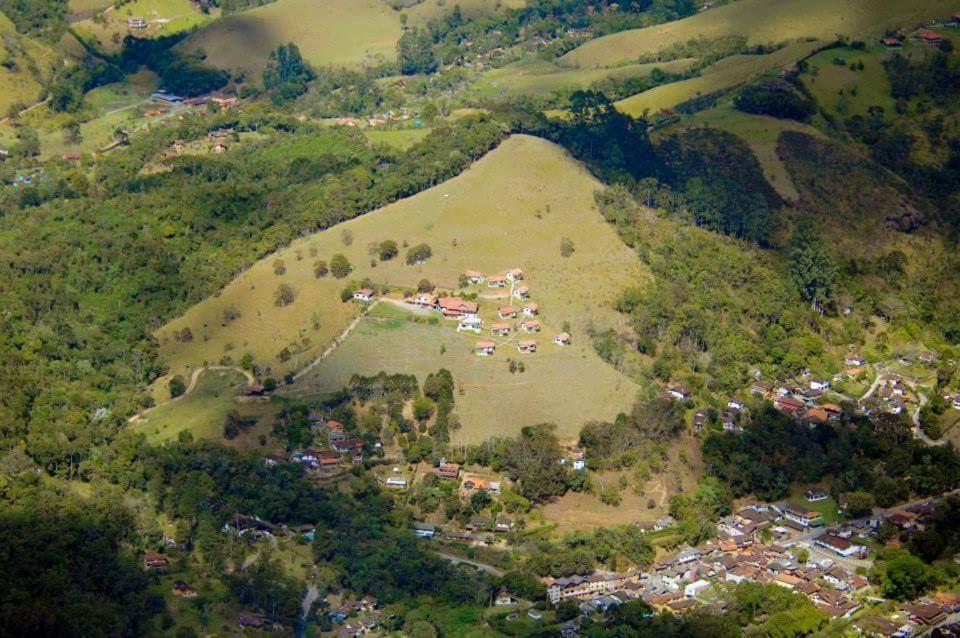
(562, 339)
(514, 274)
(396, 482)
(695, 588)
(364, 294)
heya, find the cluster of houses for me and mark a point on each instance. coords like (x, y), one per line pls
(924, 34)
(467, 313)
(892, 395)
(356, 617)
(343, 448)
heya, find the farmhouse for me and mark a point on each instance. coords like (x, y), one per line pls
(448, 470)
(531, 309)
(456, 307)
(678, 392)
(183, 590)
(530, 326)
(396, 482)
(152, 560)
(522, 292)
(425, 299)
(424, 530)
(364, 294)
(854, 360)
(474, 276)
(562, 339)
(930, 38)
(840, 546)
(514, 274)
(507, 312)
(500, 329)
(470, 323)
(815, 495)
(527, 346)
(787, 404)
(471, 482)
(136, 23)
(802, 515)
(484, 348)
(497, 281)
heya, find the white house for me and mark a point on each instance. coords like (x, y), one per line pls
(735, 404)
(514, 274)
(521, 292)
(470, 323)
(562, 339)
(678, 392)
(695, 588)
(364, 294)
(819, 384)
(397, 482)
(854, 360)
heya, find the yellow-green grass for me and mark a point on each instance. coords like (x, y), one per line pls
(399, 138)
(164, 17)
(566, 386)
(763, 21)
(541, 77)
(337, 32)
(510, 209)
(860, 89)
(761, 133)
(828, 508)
(82, 6)
(201, 411)
(428, 10)
(21, 86)
(725, 74)
(950, 425)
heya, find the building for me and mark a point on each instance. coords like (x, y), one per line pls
(802, 515)
(527, 346)
(425, 299)
(514, 274)
(500, 329)
(854, 360)
(456, 307)
(562, 339)
(788, 404)
(484, 348)
(153, 560)
(448, 470)
(930, 38)
(521, 292)
(532, 325)
(473, 276)
(815, 495)
(470, 323)
(183, 590)
(396, 482)
(136, 23)
(497, 281)
(364, 294)
(531, 309)
(678, 392)
(507, 312)
(838, 545)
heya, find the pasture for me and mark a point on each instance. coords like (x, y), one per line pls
(761, 133)
(422, 13)
(541, 77)
(402, 138)
(567, 386)
(844, 91)
(163, 17)
(725, 74)
(762, 22)
(510, 209)
(18, 83)
(332, 32)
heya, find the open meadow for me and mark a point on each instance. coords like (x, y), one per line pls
(510, 209)
(762, 22)
(163, 18)
(845, 91)
(422, 13)
(18, 83)
(563, 385)
(337, 32)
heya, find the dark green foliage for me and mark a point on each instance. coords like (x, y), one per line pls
(177, 386)
(439, 388)
(775, 98)
(182, 74)
(382, 385)
(419, 254)
(286, 74)
(695, 513)
(46, 19)
(340, 266)
(524, 585)
(415, 52)
(534, 460)
(812, 267)
(725, 206)
(387, 250)
(905, 578)
(940, 536)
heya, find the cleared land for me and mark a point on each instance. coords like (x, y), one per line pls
(163, 17)
(761, 133)
(566, 386)
(18, 84)
(725, 74)
(337, 32)
(398, 138)
(510, 209)
(845, 91)
(428, 10)
(541, 77)
(762, 22)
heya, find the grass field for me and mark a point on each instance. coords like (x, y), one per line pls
(763, 21)
(202, 411)
(725, 74)
(398, 138)
(21, 85)
(828, 508)
(164, 17)
(510, 209)
(761, 134)
(427, 10)
(566, 386)
(846, 92)
(540, 77)
(338, 32)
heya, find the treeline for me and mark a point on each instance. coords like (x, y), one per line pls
(93, 268)
(46, 19)
(880, 457)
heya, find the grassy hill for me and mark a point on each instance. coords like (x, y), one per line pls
(428, 10)
(762, 21)
(339, 32)
(510, 209)
(164, 17)
(20, 83)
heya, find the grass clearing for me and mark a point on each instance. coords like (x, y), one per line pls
(761, 133)
(422, 13)
(725, 74)
(164, 18)
(846, 92)
(541, 77)
(398, 138)
(828, 508)
(510, 209)
(20, 85)
(762, 22)
(337, 32)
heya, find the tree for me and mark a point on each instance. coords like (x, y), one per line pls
(177, 386)
(419, 254)
(72, 133)
(424, 285)
(415, 52)
(905, 578)
(813, 269)
(387, 250)
(284, 295)
(320, 269)
(859, 504)
(340, 266)
(534, 459)
(286, 75)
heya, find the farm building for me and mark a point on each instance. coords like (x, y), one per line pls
(527, 346)
(507, 312)
(562, 339)
(484, 348)
(514, 274)
(930, 38)
(678, 392)
(497, 281)
(474, 276)
(397, 482)
(522, 292)
(531, 309)
(364, 294)
(425, 299)
(500, 329)
(530, 326)
(470, 323)
(183, 590)
(136, 23)
(448, 470)
(456, 307)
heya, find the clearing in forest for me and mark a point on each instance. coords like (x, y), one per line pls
(510, 209)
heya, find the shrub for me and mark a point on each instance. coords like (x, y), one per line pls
(419, 254)
(284, 295)
(340, 266)
(279, 268)
(177, 386)
(320, 269)
(566, 247)
(424, 286)
(387, 250)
